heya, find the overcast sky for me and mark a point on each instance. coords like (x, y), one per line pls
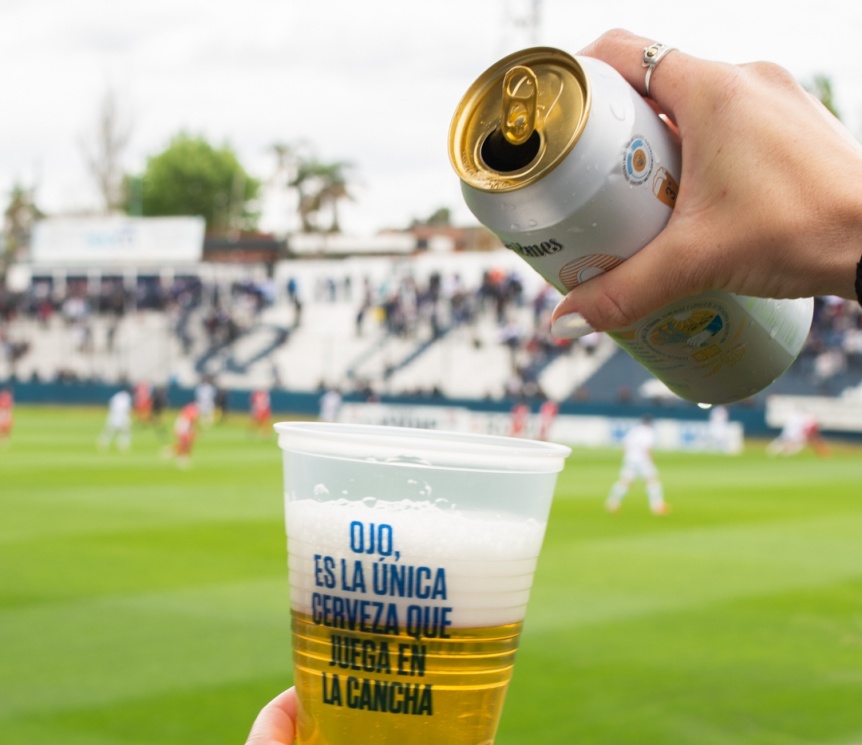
(374, 83)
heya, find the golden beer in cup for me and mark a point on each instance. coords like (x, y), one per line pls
(411, 555)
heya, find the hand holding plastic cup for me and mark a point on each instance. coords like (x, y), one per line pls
(411, 556)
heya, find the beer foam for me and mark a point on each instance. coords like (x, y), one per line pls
(432, 529)
(488, 557)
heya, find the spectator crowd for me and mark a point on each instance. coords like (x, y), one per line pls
(205, 317)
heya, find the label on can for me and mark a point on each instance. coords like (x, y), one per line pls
(698, 331)
(637, 160)
(665, 187)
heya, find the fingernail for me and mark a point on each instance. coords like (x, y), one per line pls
(571, 326)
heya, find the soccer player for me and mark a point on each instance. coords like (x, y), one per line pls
(718, 432)
(520, 417)
(7, 403)
(205, 395)
(118, 426)
(143, 402)
(638, 445)
(799, 430)
(330, 403)
(547, 415)
(159, 401)
(261, 411)
(185, 428)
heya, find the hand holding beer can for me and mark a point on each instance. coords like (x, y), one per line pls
(568, 165)
(411, 555)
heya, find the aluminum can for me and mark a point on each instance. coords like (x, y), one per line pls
(570, 167)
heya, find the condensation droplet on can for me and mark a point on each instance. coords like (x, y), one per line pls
(618, 111)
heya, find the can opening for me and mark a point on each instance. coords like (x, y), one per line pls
(502, 156)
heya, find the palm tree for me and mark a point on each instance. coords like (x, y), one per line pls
(333, 190)
(320, 186)
(303, 181)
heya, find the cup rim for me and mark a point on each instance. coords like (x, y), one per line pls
(421, 447)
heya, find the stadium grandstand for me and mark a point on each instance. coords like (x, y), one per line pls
(406, 320)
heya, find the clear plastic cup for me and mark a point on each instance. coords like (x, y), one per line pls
(411, 556)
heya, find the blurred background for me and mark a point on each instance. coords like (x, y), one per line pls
(324, 241)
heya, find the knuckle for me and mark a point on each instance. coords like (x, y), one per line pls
(771, 73)
(610, 312)
(609, 42)
(616, 37)
(766, 78)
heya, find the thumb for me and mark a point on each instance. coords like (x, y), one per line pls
(639, 286)
(275, 723)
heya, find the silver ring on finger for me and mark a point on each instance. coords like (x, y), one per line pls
(652, 55)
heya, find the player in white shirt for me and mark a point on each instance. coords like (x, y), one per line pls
(718, 432)
(330, 403)
(205, 395)
(118, 426)
(800, 429)
(638, 445)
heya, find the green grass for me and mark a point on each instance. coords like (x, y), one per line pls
(141, 603)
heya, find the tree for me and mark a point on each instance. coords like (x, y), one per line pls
(441, 217)
(18, 219)
(321, 187)
(287, 156)
(333, 190)
(104, 155)
(191, 177)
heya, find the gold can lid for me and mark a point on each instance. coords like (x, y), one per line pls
(519, 120)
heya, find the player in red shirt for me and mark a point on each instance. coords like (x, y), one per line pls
(547, 414)
(143, 403)
(520, 418)
(811, 432)
(261, 411)
(185, 428)
(7, 403)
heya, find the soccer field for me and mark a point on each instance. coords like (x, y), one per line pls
(143, 603)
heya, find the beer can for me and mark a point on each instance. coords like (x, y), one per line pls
(573, 171)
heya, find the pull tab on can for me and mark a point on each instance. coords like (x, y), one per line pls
(520, 96)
